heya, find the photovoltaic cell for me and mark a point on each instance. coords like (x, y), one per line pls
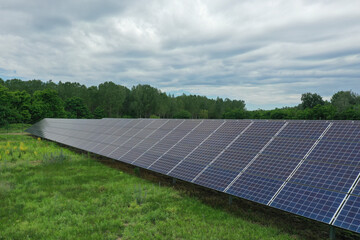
(160, 148)
(238, 155)
(255, 188)
(150, 141)
(144, 134)
(185, 146)
(314, 203)
(340, 145)
(328, 176)
(349, 217)
(208, 150)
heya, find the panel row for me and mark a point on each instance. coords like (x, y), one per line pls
(303, 167)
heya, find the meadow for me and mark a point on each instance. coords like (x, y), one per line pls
(49, 191)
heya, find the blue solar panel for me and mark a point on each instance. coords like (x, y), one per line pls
(130, 138)
(349, 217)
(208, 150)
(327, 176)
(314, 203)
(340, 145)
(161, 147)
(135, 142)
(238, 155)
(255, 188)
(185, 146)
(304, 167)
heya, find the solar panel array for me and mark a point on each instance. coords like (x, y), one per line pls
(309, 168)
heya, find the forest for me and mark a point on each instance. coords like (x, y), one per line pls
(30, 101)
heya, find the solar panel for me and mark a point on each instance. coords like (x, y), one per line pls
(169, 160)
(349, 217)
(309, 168)
(238, 155)
(314, 203)
(153, 154)
(142, 147)
(208, 150)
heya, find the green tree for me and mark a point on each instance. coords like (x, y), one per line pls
(203, 114)
(183, 114)
(310, 100)
(76, 108)
(342, 100)
(47, 104)
(144, 101)
(236, 114)
(99, 113)
(111, 98)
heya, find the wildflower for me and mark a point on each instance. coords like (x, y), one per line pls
(35, 153)
(15, 147)
(7, 152)
(22, 147)
(39, 139)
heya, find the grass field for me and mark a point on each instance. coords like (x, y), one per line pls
(14, 128)
(51, 192)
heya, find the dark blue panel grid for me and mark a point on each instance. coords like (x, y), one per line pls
(304, 130)
(211, 148)
(265, 129)
(171, 158)
(280, 158)
(119, 151)
(345, 153)
(120, 141)
(314, 203)
(116, 125)
(356, 191)
(349, 217)
(327, 176)
(289, 147)
(128, 140)
(150, 141)
(255, 188)
(150, 156)
(233, 160)
(343, 132)
(185, 146)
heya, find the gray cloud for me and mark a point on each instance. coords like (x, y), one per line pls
(264, 52)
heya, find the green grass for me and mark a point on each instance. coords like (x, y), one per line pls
(15, 128)
(49, 192)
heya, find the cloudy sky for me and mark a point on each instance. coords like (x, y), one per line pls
(264, 52)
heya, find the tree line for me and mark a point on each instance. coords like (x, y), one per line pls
(30, 101)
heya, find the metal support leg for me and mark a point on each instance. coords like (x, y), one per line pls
(173, 181)
(230, 199)
(332, 233)
(137, 171)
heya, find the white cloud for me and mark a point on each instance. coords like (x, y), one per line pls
(264, 52)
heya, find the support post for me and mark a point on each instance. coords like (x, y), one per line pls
(137, 171)
(173, 181)
(332, 233)
(230, 199)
